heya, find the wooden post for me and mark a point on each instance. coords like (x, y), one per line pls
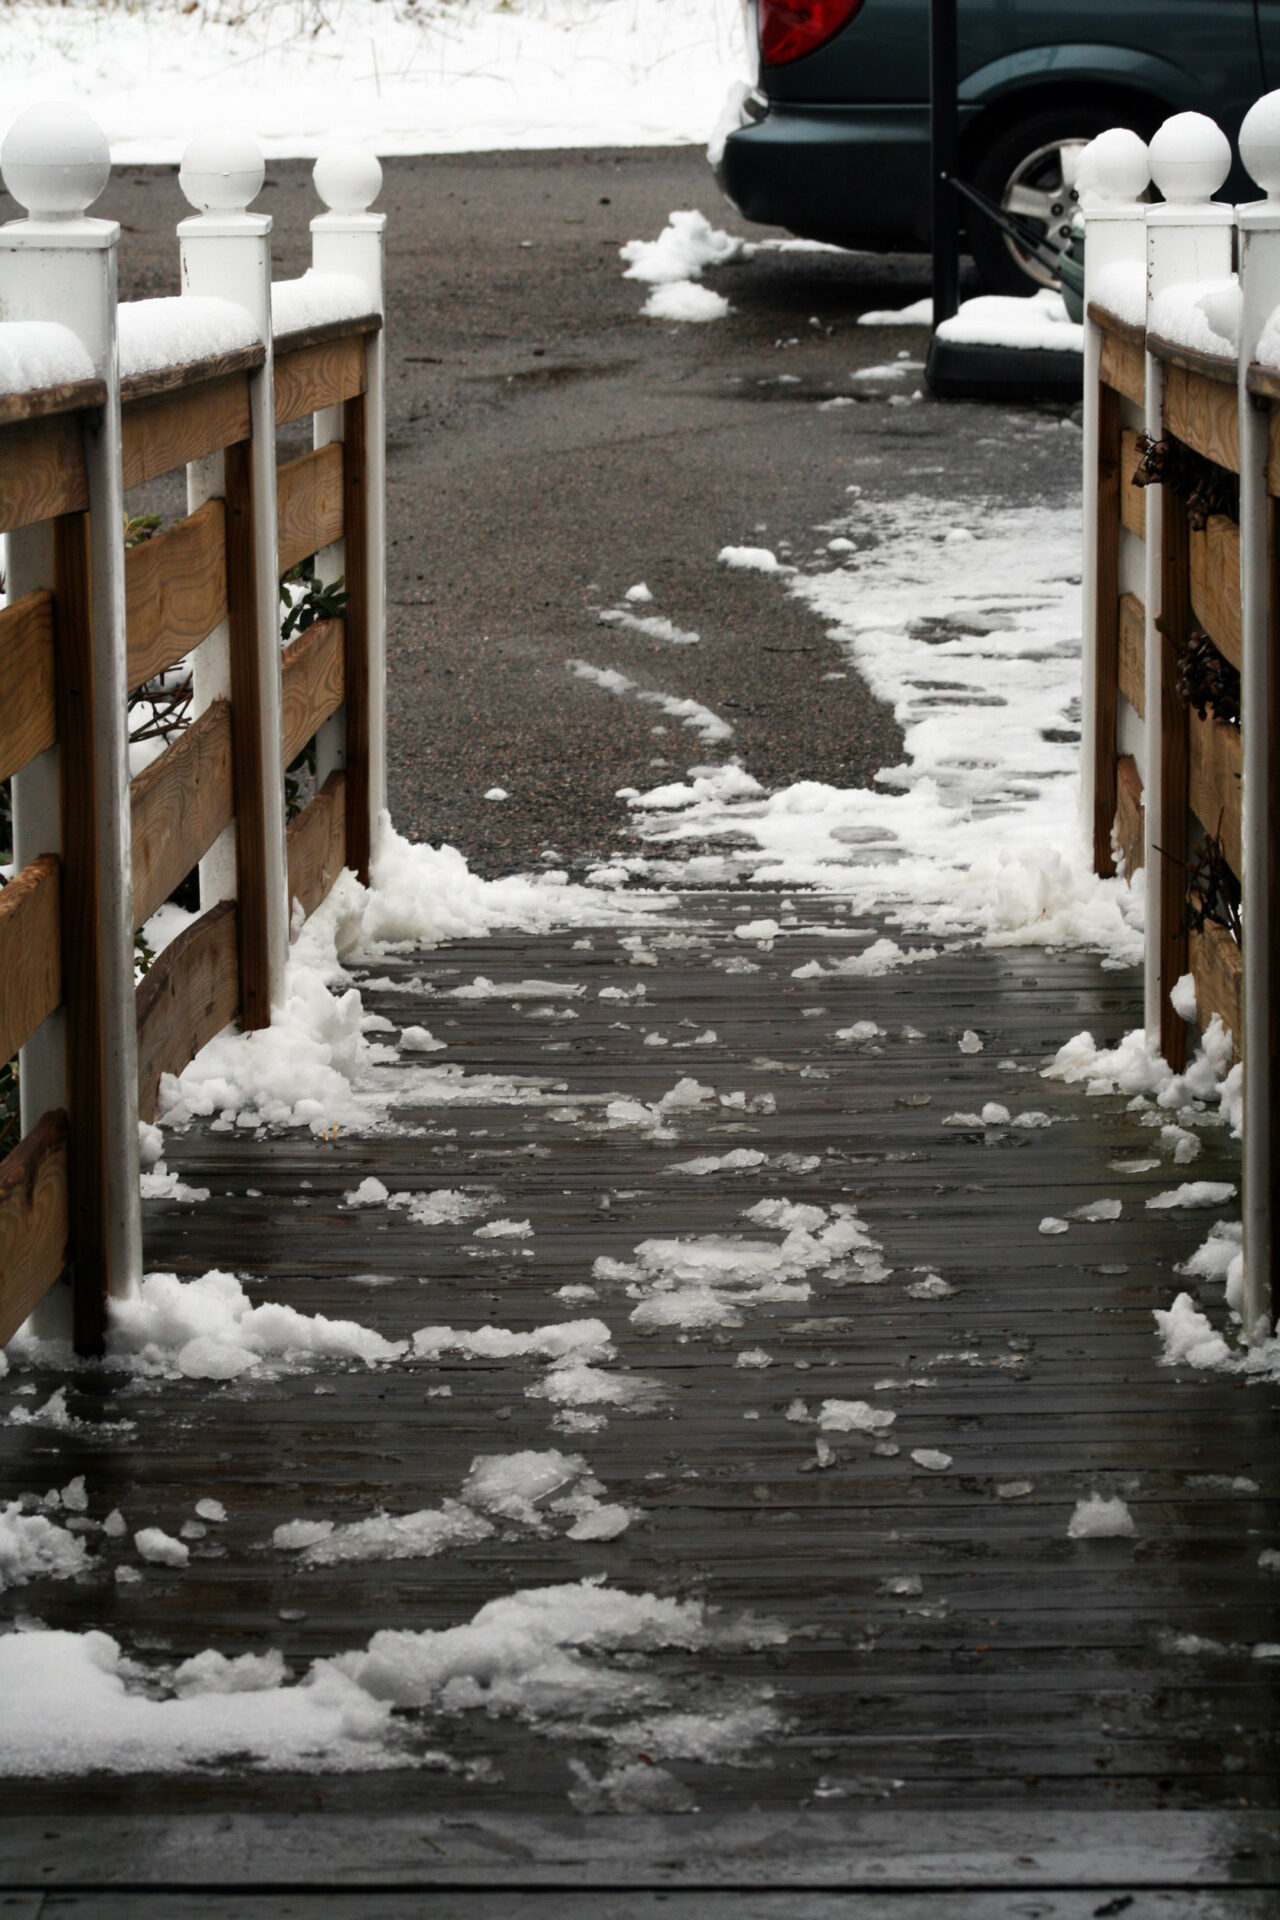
(1167, 825)
(1103, 673)
(226, 252)
(1259, 228)
(1189, 238)
(349, 239)
(61, 266)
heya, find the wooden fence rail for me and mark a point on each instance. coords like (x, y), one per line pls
(1182, 612)
(92, 620)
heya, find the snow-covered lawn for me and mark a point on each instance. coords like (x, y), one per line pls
(442, 76)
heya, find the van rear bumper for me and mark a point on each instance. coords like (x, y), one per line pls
(853, 176)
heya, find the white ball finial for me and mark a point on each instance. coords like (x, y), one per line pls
(222, 171)
(1260, 143)
(1190, 158)
(348, 179)
(1113, 169)
(55, 161)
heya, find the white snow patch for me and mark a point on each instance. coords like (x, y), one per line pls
(1098, 1518)
(749, 559)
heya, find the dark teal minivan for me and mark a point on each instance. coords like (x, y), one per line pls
(834, 140)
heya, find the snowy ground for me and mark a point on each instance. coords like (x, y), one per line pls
(445, 76)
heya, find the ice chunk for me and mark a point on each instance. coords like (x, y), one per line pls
(159, 1547)
(1098, 1518)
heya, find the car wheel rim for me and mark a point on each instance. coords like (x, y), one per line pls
(1041, 191)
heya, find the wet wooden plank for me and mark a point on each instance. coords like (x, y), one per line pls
(30, 950)
(175, 591)
(1027, 1666)
(28, 713)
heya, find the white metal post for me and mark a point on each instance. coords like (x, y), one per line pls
(59, 265)
(1189, 238)
(1259, 225)
(349, 239)
(1111, 178)
(226, 253)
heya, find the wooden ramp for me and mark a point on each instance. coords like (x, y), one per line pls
(943, 1698)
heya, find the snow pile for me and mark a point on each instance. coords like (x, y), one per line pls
(918, 314)
(999, 320)
(180, 330)
(319, 1064)
(1209, 1091)
(750, 559)
(709, 727)
(538, 1654)
(41, 353)
(672, 264)
(576, 1380)
(566, 1659)
(977, 830)
(1100, 1519)
(33, 1547)
(710, 1280)
(430, 78)
(1194, 1193)
(76, 1703)
(316, 299)
(1122, 289)
(654, 626)
(1186, 1336)
(1203, 315)
(209, 1329)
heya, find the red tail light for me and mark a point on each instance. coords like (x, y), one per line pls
(790, 28)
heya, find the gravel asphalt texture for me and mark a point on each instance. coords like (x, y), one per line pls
(549, 447)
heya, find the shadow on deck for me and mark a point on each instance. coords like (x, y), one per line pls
(904, 1673)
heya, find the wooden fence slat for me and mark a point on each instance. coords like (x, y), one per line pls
(1202, 413)
(321, 332)
(1106, 629)
(30, 951)
(88, 1201)
(28, 708)
(190, 373)
(1122, 367)
(309, 504)
(71, 396)
(1218, 966)
(1130, 815)
(42, 470)
(1170, 827)
(319, 376)
(179, 805)
(312, 672)
(1215, 584)
(1219, 368)
(1215, 762)
(34, 1220)
(189, 994)
(1133, 500)
(316, 844)
(171, 429)
(357, 696)
(253, 882)
(1133, 653)
(175, 591)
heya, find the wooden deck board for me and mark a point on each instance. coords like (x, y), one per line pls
(1030, 1671)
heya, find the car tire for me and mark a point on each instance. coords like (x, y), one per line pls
(1022, 169)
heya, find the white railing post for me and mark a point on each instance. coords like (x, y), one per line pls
(1259, 225)
(226, 253)
(59, 265)
(1189, 238)
(1110, 180)
(349, 239)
